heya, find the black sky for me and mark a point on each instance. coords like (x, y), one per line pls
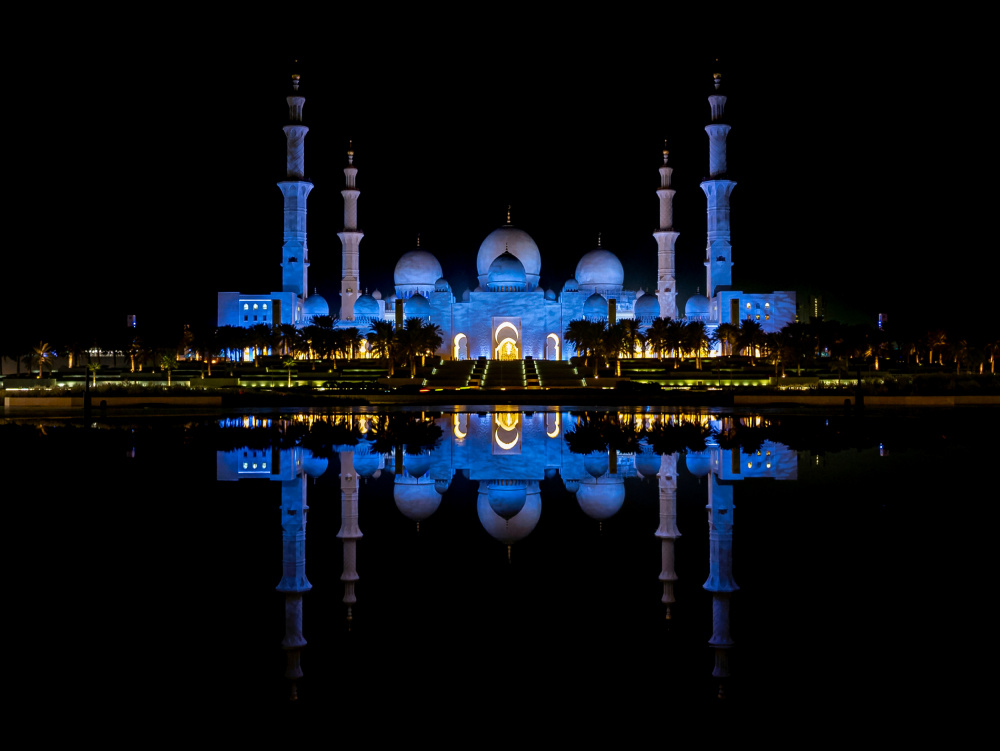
(149, 177)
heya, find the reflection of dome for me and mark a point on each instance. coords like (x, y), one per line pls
(571, 485)
(366, 305)
(312, 464)
(697, 463)
(315, 305)
(647, 465)
(417, 267)
(550, 294)
(416, 465)
(647, 305)
(596, 464)
(417, 307)
(518, 243)
(600, 268)
(697, 305)
(518, 526)
(415, 499)
(507, 500)
(506, 274)
(366, 465)
(441, 484)
(601, 499)
(595, 306)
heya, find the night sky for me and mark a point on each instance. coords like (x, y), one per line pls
(151, 175)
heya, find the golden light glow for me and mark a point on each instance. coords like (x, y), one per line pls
(501, 327)
(459, 433)
(503, 444)
(555, 430)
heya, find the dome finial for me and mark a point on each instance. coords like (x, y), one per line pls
(295, 79)
(418, 239)
(717, 77)
(666, 153)
(508, 213)
(350, 151)
(598, 239)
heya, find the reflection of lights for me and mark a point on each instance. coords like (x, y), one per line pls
(749, 465)
(555, 430)
(503, 444)
(459, 434)
(507, 420)
(769, 465)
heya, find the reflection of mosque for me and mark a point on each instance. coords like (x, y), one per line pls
(508, 454)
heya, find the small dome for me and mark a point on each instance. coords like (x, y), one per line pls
(571, 285)
(465, 295)
(550, 294)
(377, 295)
(506, 274)
(417, 307)
(417, 267)
(647, 305)
(697, 305)
(315, 305)
(600, 268)
(366, 305)
(441, 285)
(596, 306)
(516, 242)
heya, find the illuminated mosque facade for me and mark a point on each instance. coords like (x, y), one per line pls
(508, 315)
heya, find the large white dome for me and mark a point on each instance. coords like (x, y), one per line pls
(417, 267)
(518, 243)
(600, 268)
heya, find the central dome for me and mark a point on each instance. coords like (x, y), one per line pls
(600, 268)
(506, 274)
(518, 243)
(416, 271)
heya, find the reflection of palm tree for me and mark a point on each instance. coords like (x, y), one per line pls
(42, 355)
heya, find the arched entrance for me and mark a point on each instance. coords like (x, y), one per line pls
(552, 347)
(460, 350)
(506, 339)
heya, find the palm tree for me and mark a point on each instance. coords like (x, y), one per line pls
(674, 334)
(729, 335)
(93, 367)
(43, 355)
(382, 339)
(418, 339)
(936, 339)
(697, 340)
(631, 335)
(168, 363)
(587, 337)
(656, 335)
(289, 363)
(751, 337)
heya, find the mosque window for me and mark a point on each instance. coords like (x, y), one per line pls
(265, 318)
(748, 306)
(255, 306)
(265, 306)
(246, 318)
(246, 307)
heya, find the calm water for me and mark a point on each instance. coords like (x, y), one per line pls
(484, 562)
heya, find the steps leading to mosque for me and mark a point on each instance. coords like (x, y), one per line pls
(503, 374)
(451, 374)
(557, 374)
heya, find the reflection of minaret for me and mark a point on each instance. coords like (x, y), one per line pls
(719, 258)
(349, 532)
(293, 572)
(666, 283)
(295, 188)
(667, 531)
(720, 580)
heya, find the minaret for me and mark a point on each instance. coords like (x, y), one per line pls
(719, 251)
(666, 282)
(295, 188)
(350, 238)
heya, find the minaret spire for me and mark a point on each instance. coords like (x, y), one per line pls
(666, 281)
(719, 252)
(350, 239)
(295, 188)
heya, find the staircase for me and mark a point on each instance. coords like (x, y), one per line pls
(451, 374)
(554, 374)
(503, 374)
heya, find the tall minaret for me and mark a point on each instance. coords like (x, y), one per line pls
(666, 282)
(295, 188)
(719, 251)
(350, 238)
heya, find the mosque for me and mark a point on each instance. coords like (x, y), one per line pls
(508, 315)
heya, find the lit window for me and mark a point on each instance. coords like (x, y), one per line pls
(264, 465)
(766, 305)
(245, 465)
(255, 306)
(758, 317)
(246, 307)
(748, 306)
(265, 306)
